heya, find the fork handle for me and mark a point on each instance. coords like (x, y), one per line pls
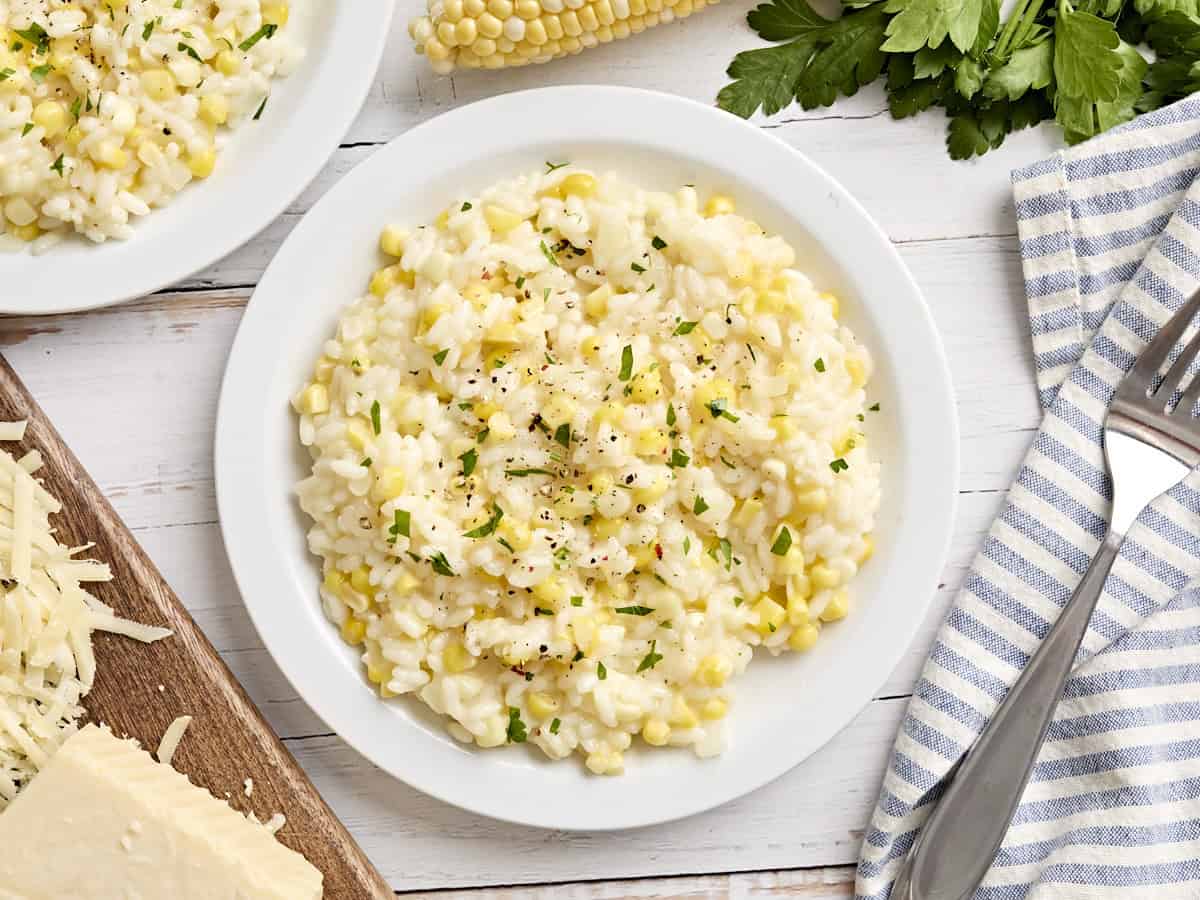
(963, 833)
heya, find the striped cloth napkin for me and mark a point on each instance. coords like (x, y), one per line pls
(1110, 241)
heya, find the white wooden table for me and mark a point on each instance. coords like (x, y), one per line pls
(134, 391)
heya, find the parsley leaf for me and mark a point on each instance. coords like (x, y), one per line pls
(516, 732)
(651, 659)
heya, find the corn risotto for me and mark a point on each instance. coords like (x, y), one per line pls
(109, 110)
(576, 453)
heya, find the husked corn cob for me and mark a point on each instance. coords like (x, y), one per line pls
(492, 34)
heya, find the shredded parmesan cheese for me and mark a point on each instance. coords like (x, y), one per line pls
(47, 618)
(276, 822)
(12, 431)
(169, 742)
(248, 786)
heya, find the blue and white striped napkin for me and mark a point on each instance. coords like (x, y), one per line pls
(1110, 241)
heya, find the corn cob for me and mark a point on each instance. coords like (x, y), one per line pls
(493, 34)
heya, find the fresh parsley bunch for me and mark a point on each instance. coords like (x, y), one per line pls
(1084, 63)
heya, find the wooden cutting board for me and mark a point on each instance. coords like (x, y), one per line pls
(141, 688)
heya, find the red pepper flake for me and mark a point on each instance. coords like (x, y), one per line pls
(658, 550)
(486, 276)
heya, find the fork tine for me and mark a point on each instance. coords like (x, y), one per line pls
(1178, 371)
(1157, 351)
(1192, 395)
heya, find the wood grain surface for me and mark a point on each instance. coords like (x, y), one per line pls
(141, 688)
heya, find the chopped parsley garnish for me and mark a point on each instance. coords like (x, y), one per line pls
(148, 29)
(468, 461)
(550, 167)
(577, 657)
(819, 365)
(184, 48)
(489, 526)
(637, 268)
(261, 107)
(554, 726)
(699, 506)
(542, 611)
(678, 459)
(550, 360)
(601, 672)
(839, 465)
(521, 473)
(783, 542)
(466, 206)
(39, 73)
(366, 462)
(726, 549)
(505, 544)
(626, 363)
(28, 127)
(516, 728)
(267, 31)
(375, 422)
(549, 254)
(753, 355)
(651, 659)
(577, 601)
(440, 564)
(685, 328)
(520, 282)
(687, 546)
(483, 435)
(727, 463)
(738, 601)
(76, 106)
(6, 74)
(874, 407)
(562, 434)
(37, 36)
(718, 410)
(402, 519)
(58, 165)
(658, 243)
(670, 415)
(440, 356)
(634, 610)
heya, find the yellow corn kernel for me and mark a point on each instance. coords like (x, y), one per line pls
(550, 591)
(747, 512)
(590, 347)
(501, 332)
(443, 218)
(495, 732)
(604, 529)
(835, 306)
(477, 295)
(403, 585)
(583, 632)
(228, 62)
(868, 549)
(74, 136)
(390, 484)
(656, 732)
(430, 315)
(804, 637)
(770, 615)
(275, 13)
(848, 442)
(702, 343)
(379, 674)
(857, 370)
(713, 709)
(558, 410)
(719, 205)
(611, 413)
(714, 389)
(824, 578)
(455, 658)
(51, 116)
(600, 483)
(159, 84)
(792, 562)
(542, 705)
(797, 610)
(335, 582)
(360, 580)
(652, 492)
(517, 533)
(643, 555)
(580, 184)
(392, 240)
(314, 400)
(501, 220)
(811, 500)
(714, 670)
(595, 304)
(682, 715)
(323, 370)
(110, 154)
(837, 607)
(389, 277)
(653, 442)
(486, 409)
(202, 162)
(358, 433)
(30, 232)
(353, 630)
(605, 762)
(772, 302)
(501, 427)
(646, 387)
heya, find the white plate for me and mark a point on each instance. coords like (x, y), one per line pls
(784, 708)
(264, 167)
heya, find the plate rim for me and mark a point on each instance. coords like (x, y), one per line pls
(226, 453)
(371, 35)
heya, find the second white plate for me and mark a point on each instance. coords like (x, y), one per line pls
(785, 708)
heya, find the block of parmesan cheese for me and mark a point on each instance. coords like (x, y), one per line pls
(104, 820)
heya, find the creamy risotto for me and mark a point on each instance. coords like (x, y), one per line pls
(577, 452)
(107, 110)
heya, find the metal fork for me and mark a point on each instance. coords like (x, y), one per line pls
(1149, 447)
